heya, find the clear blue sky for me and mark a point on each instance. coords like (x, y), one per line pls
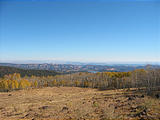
(82, 30)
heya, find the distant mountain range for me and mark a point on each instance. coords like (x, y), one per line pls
(76, 62)
(67, 68)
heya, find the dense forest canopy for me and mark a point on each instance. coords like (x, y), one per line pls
(4, 70)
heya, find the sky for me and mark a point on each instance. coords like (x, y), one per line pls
(80, 30)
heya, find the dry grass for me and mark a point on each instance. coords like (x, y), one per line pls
(76, 103)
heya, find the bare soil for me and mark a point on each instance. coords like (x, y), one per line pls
(65, 103)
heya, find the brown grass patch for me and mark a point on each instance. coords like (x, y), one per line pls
(77, 103)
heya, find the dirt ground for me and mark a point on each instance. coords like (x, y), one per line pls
(65, 103)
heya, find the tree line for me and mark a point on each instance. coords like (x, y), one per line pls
(139, 78)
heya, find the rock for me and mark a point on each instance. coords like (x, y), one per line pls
(117, 100)
(130, 98)
(142, 118)
(87, 115)
(43, 107)
(157, 95)
(64, 108)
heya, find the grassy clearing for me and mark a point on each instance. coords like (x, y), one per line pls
(77, 103)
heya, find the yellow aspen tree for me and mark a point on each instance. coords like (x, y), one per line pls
(54, 82)
(35, 84)
(9, 82)
(85, 83)
(14, 76)
(76, 83)
(1, 85)
(21, 84)
(18, 76)
(5, 84)
(16, 84)
(12, 84)
(27, 84)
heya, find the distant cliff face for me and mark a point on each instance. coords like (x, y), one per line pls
(77, 68)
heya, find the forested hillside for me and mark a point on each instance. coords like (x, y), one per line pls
(140, 78)
(4, 70)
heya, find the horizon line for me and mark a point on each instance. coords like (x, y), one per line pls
(75, 62)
